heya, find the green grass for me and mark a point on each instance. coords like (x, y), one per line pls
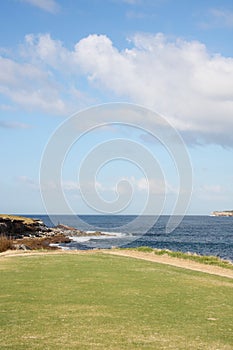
(203, 259)
(142, 249)
(97, 301)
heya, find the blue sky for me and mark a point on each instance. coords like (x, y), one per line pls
(173, 57)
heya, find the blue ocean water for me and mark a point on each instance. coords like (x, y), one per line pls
(205, 235)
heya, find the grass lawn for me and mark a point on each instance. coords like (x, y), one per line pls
(97, 301)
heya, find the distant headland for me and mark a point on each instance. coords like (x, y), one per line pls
(223, 213)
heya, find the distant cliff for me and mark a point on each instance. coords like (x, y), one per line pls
(223, 213)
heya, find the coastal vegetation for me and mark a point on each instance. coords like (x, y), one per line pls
(203, 259)
(32, 243)
(99, 301)
(23, 219)
(6, 243)
(17, 232)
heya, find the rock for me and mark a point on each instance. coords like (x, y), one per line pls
(3, 227)
(65, 227)
(67, 230)
(19, 226)
(21, 247)
(99, 233)
(24, 247)
(223, 213)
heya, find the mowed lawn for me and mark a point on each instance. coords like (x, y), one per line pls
(97, 301)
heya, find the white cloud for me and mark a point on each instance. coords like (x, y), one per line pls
(6, 107)
(145, 185)
(28, 182)
(32, 87)
(217, 18)
(46, 5)
(29, 86)
(66, 185)
(13, 125)
(213, 192)
(70, 186)
(180, 79)
(47, 79)
(223, 18)
(132, 2)
(43, 49)
(154, 186)
(139, 185)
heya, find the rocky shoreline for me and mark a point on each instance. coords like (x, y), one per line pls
(26, 233)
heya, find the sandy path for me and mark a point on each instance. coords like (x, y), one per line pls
(163, 259)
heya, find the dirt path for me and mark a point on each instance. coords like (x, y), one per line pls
(163, 259)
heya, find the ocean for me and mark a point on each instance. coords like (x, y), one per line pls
(205, 235)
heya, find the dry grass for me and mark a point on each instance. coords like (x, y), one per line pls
(43, 242)
(6, 243)
(19, 218)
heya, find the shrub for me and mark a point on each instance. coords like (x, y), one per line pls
(145, 249)
(203, 259)
(5, 243)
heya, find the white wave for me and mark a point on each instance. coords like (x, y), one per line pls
(88, 238)
(106, 235)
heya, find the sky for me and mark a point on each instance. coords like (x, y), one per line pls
(59, 58)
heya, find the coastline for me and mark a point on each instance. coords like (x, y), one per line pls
(190, 239)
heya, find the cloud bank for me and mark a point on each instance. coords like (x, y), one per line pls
(180, 79)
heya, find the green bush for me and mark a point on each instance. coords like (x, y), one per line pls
(145, 249)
